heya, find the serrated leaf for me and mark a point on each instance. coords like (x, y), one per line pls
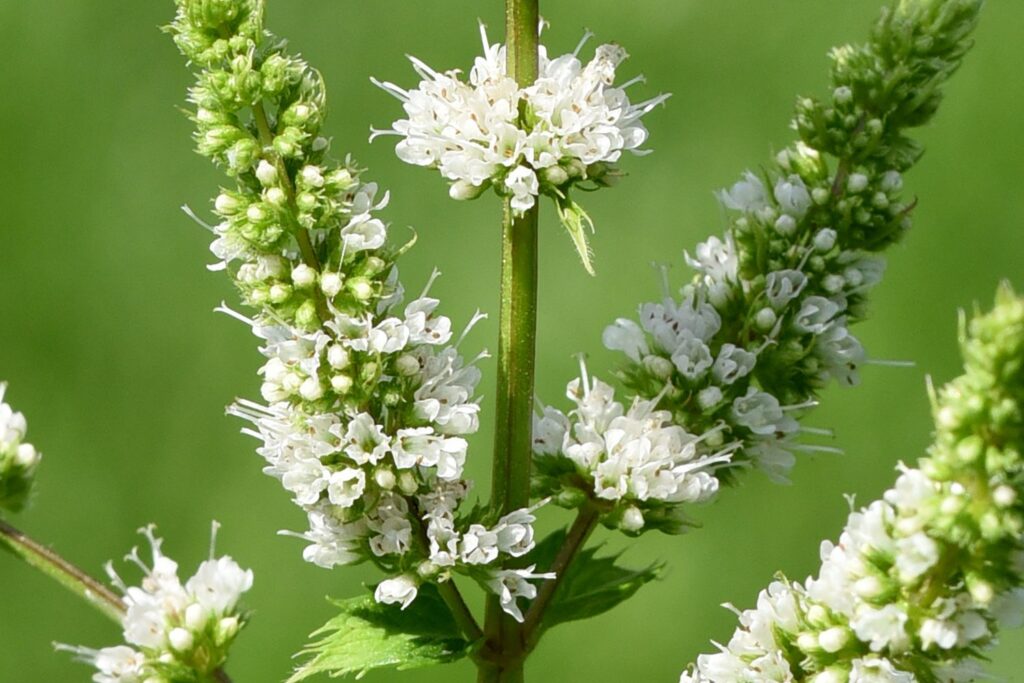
(593, 585)
(367, 635)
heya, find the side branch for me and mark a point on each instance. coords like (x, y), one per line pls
(63, 572)
(584, 525)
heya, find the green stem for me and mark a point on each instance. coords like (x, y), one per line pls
(309, 256)
(513, 441)
(63, 572)
(72, 578)
(584, 525)
(449, 591)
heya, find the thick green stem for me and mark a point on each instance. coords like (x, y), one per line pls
(72, 578)
(513, 448)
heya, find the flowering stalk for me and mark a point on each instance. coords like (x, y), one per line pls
(513, 450)
(921, 580)
(721, 373)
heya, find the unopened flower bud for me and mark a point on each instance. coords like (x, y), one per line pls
(180, 639)
(361, 288)
(709, 397)
(857, 182)
(266, 173)
(765, 319)
(825, 239)
(834, 639)
(280, 292)
(555, 175)
(407, 365)
(330, 284)
(226, 205)
(26, 456)
(312, 176)
(195, 617)
(407, 483)
(632, 519)
(276, 196)
(463, 190)
(227, 628)
(385, 478)
(1004, 496)
(342, 384)
(338, 357)
(303, 276)
(311, 390)
(658, 366)
(785, 225)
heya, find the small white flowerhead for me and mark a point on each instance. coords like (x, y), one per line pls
(400, 590)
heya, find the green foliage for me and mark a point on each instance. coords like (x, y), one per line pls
(367, 635)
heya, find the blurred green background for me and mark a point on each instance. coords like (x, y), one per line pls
(112, 351)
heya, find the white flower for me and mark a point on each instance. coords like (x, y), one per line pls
(782, 286)
(732, 364)
(747, 195)
(346, 487)
(761, 413)
(365, 440)
(881, 628)
(514, 533)
(816, 314)
(792, 196)
(692, 358)
(522, 182)
(716, 259)
(470, 131)
(626, 336)
(511, 584)
(878, 670)
(549, 431)
(915, 555)
(120, 664)
(167, 620)
(400, 590)
(479, 545)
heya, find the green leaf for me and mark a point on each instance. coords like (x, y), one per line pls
(367, 635)
(593, 585)
(576, 222)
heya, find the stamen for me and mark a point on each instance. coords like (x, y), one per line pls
(587, 35)
(192, 214)
(214, 527)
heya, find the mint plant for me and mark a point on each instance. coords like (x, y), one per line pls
(367, 396)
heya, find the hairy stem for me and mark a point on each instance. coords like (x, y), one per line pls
(71, 577)
(584, 525)
(63, 572)
(513, 448)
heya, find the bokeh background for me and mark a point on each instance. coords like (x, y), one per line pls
(109, 341)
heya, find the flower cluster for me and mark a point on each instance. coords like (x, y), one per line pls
(174, 631)
(921, 580)
(637, 464)
(367, 399)
(18, 458)
(765, 322)
(566, 129)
